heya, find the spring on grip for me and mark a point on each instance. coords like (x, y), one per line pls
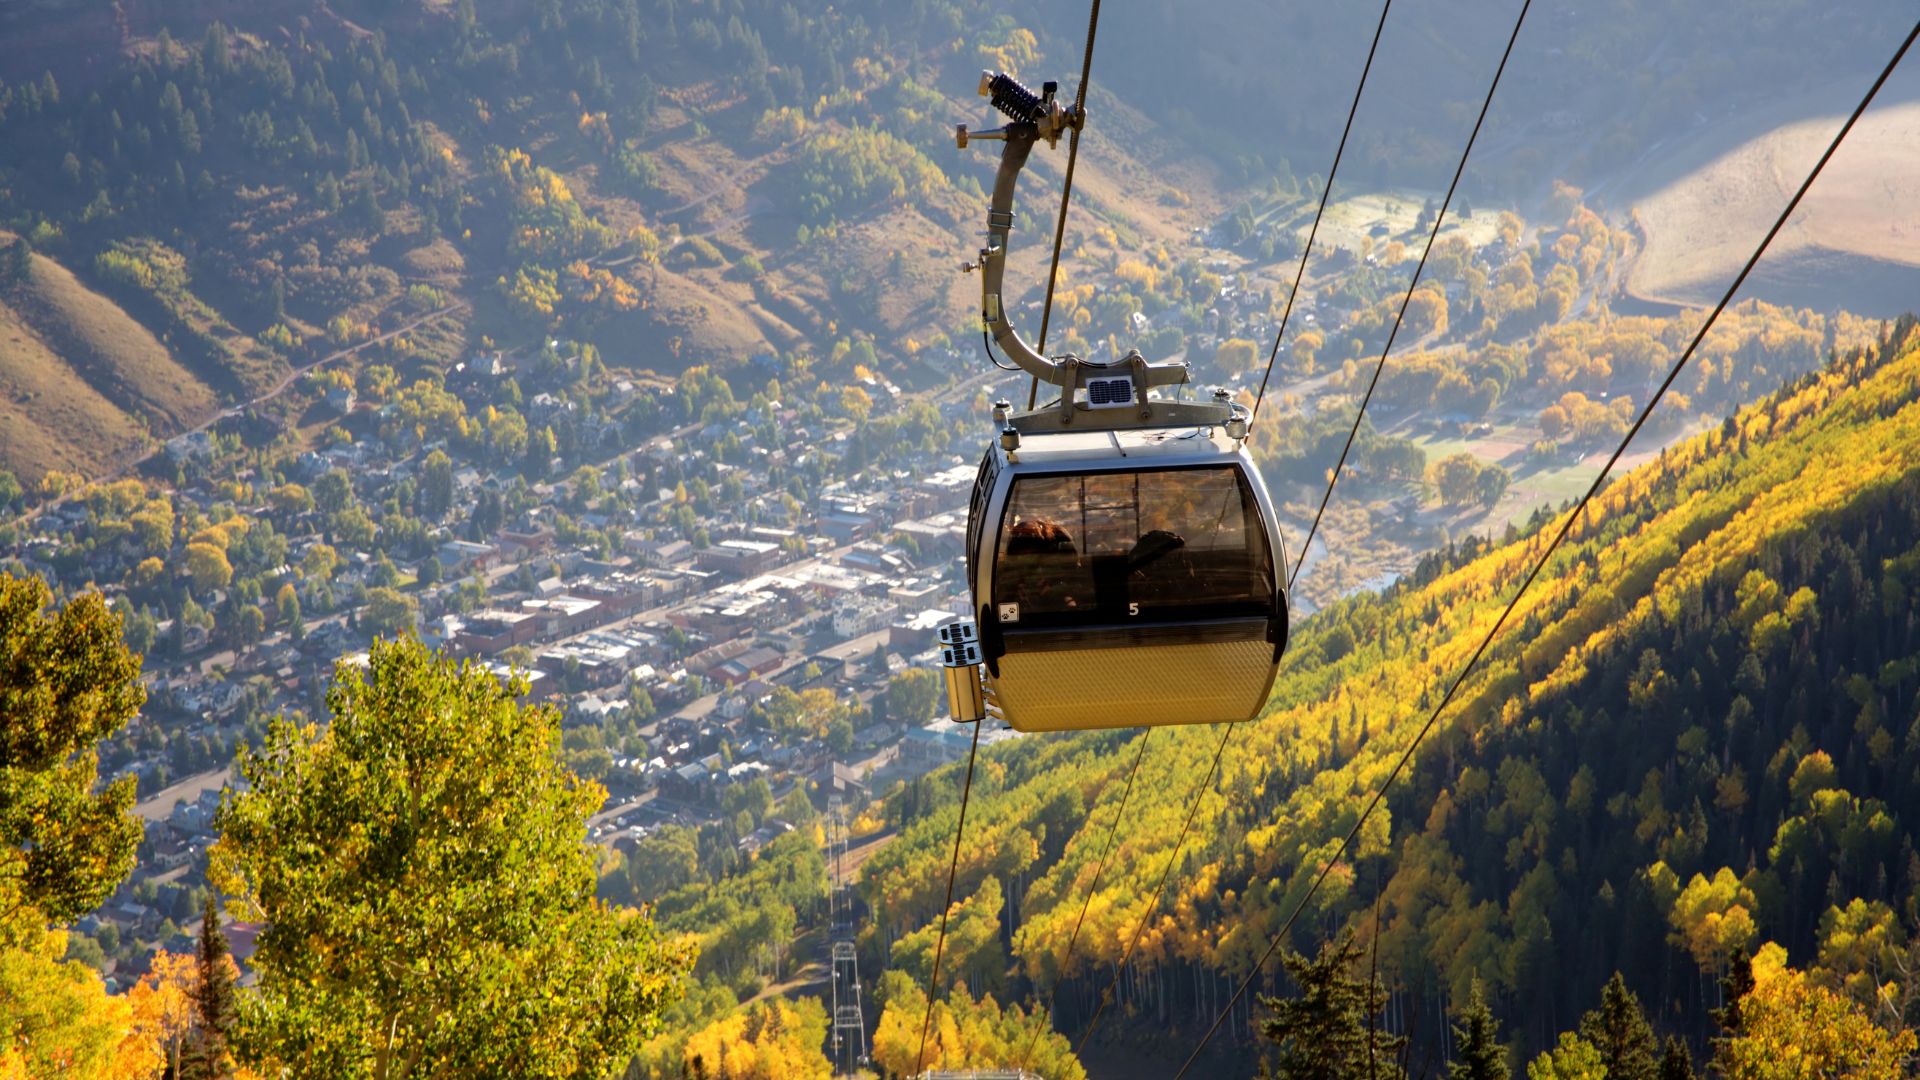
(1016, 101)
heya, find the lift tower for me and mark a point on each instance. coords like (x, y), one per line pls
(849, 1020)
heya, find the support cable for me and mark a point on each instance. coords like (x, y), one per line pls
(1300, 272)
(1432, 234)
(1100, 869)
(1373, 979)
(1066, 188)
(1199, 795)
(1566, 527)
(1286, 314)
(1227, 733)
(940, 943)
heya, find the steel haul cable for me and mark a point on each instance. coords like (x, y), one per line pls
(1059, 236)
(1199, 793)
(1412, 285)
(1046, 314)
(1566, 527)
(959, 830)
(1225, 735)
(1099, 870)
(1300, 272)
(1066, 187)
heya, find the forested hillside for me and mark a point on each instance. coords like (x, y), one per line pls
(1694, 738)
(262, 186)
(676, 184)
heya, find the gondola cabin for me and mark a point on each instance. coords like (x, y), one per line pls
(1125, 578)
(1122, 553)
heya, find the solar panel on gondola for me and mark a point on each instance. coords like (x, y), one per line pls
(1107, 393)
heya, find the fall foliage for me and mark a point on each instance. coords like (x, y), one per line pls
(1588, 800)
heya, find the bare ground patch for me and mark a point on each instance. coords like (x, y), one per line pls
(115, 354)
(50, 418)
(1855, 238)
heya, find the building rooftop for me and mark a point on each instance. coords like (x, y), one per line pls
(496, 618)
(955, 478)
(926, 621)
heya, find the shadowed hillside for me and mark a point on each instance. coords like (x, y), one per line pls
(1857, 240)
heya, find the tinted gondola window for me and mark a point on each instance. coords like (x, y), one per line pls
(977, 508)
(1158, 546)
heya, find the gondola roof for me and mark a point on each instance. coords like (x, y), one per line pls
(1142, 444)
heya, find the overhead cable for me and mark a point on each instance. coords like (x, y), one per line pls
(1066, 187)
(1413, 284)
(1553, 545)
(1300, 272)
(940, 942)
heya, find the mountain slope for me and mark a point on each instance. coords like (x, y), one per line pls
(1717, 671)
(115, 353)
(1855, 235)
(675, 184)
(83, 384)
(697, 182)
(53, 419)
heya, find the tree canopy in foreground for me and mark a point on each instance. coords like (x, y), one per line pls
(422, 868)
(66, 682)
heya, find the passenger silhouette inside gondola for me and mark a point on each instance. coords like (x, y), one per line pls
(1038, 536)
(1041, 565)
(1152, 546)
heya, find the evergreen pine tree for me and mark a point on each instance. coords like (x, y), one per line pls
(1323, 1034)
(1619, 1030)
(1477, 1033)
(366, 206)
(205, 1055)
(1734, 987)
(328, 193)
(16, 262)
(1676, 1063)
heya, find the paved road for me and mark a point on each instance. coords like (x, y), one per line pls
(606, 817)
(161, 803)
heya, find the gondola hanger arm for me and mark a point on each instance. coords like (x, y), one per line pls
(1032, 117)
